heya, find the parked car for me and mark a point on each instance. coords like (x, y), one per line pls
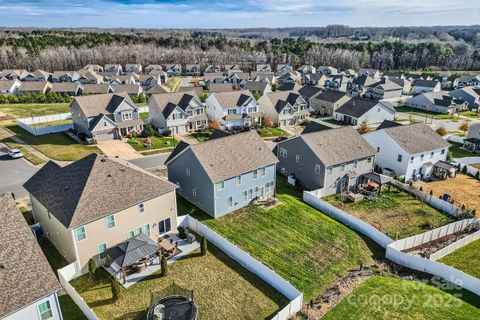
(15, 153)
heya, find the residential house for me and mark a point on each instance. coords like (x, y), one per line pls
(328, 71)
(440, 102)
(259, 87)
(468, 81)
(263, 77)
(34, 87)
(338, 82)
(234, 109)
(310, 94)
(29, 286)
(401, 81)
(178, 111)
(264, 68)
(446, 82)
(349, 73)
(213, 77)
(239, 78)
(192, 70)
(131, 89)
(314, 126)
(374, 73)
(409, 151)
(330, 159)
(284, 108)
(306, 69)
(9, 86)
(288, 86)
(97, 88)
(289, 77)
(133, 68)
(471, 95)
(359, 86)
(173, 69)
(472, 142)
(123, 79)
(327, 102)
(88, 76)
(284, 68)
(213, 69)
(225, 174)
(67, 88)
(147, 81)
(153, 68)
(105, 116)
(422, 86)
(65, 76)
(94, 67)
(38, 75)
(314, 79)
(157, 89)
(10, 74)
(113, 68)
(97, 202)
(223, 87)
(358, 110)
(384, 89)
(232, 68)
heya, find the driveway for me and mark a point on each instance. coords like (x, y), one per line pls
(149, 162)
(14, 173)
(118, 149)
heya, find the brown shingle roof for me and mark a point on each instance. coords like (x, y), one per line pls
(32, 86)
(232, 99)
(95, 88)
(416, 138)
(26, 275)
(93, 187)
(94, 105)
(65, 87)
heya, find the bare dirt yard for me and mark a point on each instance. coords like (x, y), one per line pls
(462, 188)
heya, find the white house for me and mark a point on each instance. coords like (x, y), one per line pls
(9, 86)
(440, 102)
(410, 151)
(421, 86)
(358, 110)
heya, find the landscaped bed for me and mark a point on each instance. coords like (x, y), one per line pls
(301, 244)
(222, 290)
(394, 213)
(267, 132)
(466, 258)
(202, 136)
(383, 298)
(157, 142)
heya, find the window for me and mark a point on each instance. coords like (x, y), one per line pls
(411, 159)
(238, 180)
(104, 123)
(431, 155)
(343, 166)
(229, 202)
(146, 229)
(421, 157)
(164, 226)
(245, 196)
(283, 152)
(194, 192)
(130, 234)
(317, 168)
(250, 194)
(399, 158)
(49, 215)
(187, 172)
(255, 174)
(369, 160)
(256, 191)
(110, 221)
(297, 158)
(378, 149)
(262, 172)
(443, 151)
(102, 251)
(141, 207)
(329, 170)
(220, 185)
(355, 163)
(80, 233)
(45, 310)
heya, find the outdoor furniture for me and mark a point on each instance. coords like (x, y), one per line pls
(191, 238)
(167, 245)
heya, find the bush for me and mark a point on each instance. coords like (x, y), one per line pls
(117, 290)
(163, 266)
(464, 170)
(213, 125)
(442, 131)
(92, 269)
(267, 122)
(148, 130)
(203, 246)
(167, 133)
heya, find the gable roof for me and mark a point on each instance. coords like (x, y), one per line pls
(65, 87)
(256, 85)
(332, 95)
(101, 103)
(7, 84)
(130, 251)
(388, 124)
(232, 155)
(25, 276)
(232, 99)
(156, 89)
(314, 126)
(309, 91)
(416, 138)
(128, 88)
(325, 144)
(356, 107)
(92, 188)
(426, 83)
(279, 99)
(34, 86)
(167, 102)
(96, 88)
(221, 87)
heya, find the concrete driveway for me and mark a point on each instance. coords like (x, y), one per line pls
(118, 149)
(14, 173)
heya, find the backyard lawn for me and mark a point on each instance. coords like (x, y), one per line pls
(427, 114)
(202, 136)
(26, 110)
(394, 213)
(271, 132)
(144, 115)
(301, 244)
(58, 146)
(457, 152)
(222, 289)
(383, 298)
(467, 259)
(157, 143)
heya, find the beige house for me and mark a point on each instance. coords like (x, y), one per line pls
(95, 203)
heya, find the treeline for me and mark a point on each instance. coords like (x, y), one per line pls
(50, 97)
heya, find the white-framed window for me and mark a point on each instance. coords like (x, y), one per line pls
(297, 158)
(255, 174)
(283, 152)
(220, 185)
(80, 233)
(399, 158)
(369, 160)
(343, 166)
(355, 163)
(194, 192)
(45, 310)
(110, 221)
(238, 180)
(187, 172)
(411, 159)
(230, 202)
(146, 229)
(141, 207)
(102, 251)
(431, 154)
(421, 157)
(164, 226)
(378, 149)
(245, 196)
(317, 168)
(443, 151)
(262, 172)
(329, 170)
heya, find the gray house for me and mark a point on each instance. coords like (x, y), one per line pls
(330, 159)
(105, 116)
(224, 174)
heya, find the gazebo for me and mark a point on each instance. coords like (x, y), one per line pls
(131, 256)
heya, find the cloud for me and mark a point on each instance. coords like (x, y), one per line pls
(235, 14)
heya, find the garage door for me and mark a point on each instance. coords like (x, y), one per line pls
(106, 136)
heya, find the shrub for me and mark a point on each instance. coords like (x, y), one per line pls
(148, 130)
(203, 246)
(267, 122)
(464, 126)
(213, 125)
(167, 133)
(421, 188)
(163, 266)
(92, 269)
(117, 290)
(442, 131)
(464, 170)
(363, 127)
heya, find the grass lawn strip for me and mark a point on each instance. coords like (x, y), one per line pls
(383, 298)
(156, 151)
(26, 154)
(27, 110)
(458, 152)
(394, 213)
(466, 259)
(202, 136)
(427, 114)
(222, 289)
(69, 309)
(157, 143)
(52, 123)
(271, 132)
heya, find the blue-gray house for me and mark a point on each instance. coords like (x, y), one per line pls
(223, 174)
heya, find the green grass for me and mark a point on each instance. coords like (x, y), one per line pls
(271, 132)
(174, 84)
(301, 244)
(37, 109)
(467, 259)
(144, 115)
(157, 143)
(70, 310)
(157, 151)
(55, 259)
(457, 151)
(53, 123)
(27, 214)
(223, 289)
(470, 114)
(202, 136)
(26, 154)
(476, 165)
(384, 298)
(331, 121)
(394, 213)
(428, 114)
(57, 146)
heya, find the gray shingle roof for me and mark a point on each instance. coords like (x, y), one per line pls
(416, 138)
(425, 83)
(332, 95)
(95, 88)
(93, 187)
(167, 102)
(309, 91)
(128, 252)
(101, 103)
(356, 107)
(26, 275)
(232, 99)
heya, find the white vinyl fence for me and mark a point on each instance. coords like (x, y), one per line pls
(312, 198)
(454, 138)
(65, 275)
(143, 109)
(251, 264)
(470, 170)
(30, 124)
(49, 118)
(454, 246)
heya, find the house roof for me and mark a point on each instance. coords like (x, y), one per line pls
(41, 73)
(388, 124)
(7, 84)
(92, 188)
(232, 99)
(65, 87)
(101, 103)
(128, 252)
(326, 145)
(25, 275)
(128, 88)
(309, 91)
(425, 83)
(279, 99)
(332, 95)
(167, 102)
(95, 88)
(156, 89)
(416, 138)
(221, 87)
(34, 86)
(314, 126)
(57, 74)
(364, 80)
(232, 155)
(256, 85)
(356, 107)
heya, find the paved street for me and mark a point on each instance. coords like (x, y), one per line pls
(151, 161)
(14, 173)
(436, 123)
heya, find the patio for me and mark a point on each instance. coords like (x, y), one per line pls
(139, 257)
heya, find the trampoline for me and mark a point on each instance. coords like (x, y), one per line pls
(174, 307)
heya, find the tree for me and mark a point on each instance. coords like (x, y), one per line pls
(267, 122)
(363, 128)
(464, 170)
(163, 266)
(203, 97)
(92, 269)
(148, 130)
(214, 125)
(442, 131)
(464, 127)
(203, 246)
(257, 95)
(117, 290)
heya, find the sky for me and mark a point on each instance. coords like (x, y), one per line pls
(236, 13)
